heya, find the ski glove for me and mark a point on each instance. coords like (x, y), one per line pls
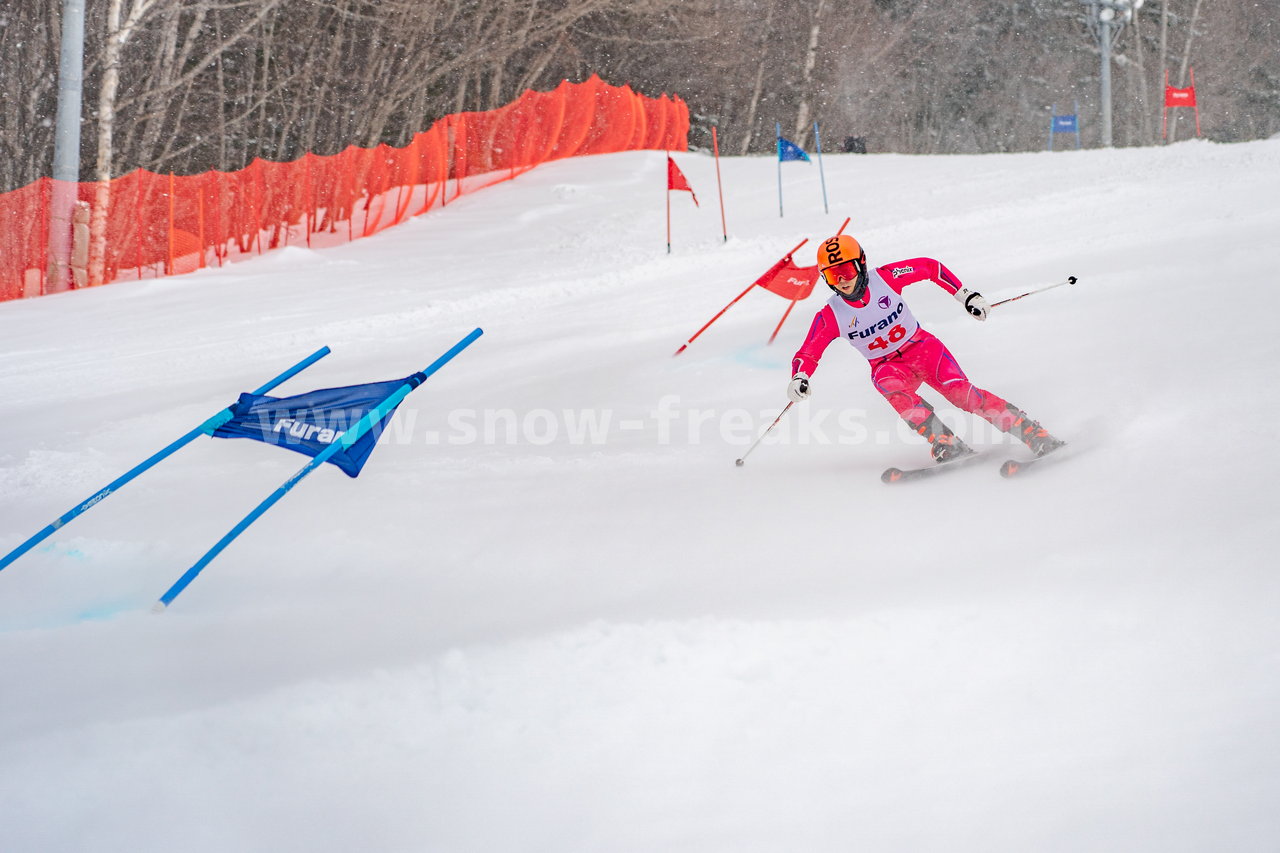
(798, 390)
(973, 302)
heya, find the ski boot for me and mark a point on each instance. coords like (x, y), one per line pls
(943, 443)
(1030, 433)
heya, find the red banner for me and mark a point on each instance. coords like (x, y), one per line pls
(788, 280)
(164, 224)
(1175, 97)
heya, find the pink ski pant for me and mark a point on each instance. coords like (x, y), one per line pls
(926, 360)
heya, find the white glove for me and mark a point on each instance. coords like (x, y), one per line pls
(798, 389)
(973, 302)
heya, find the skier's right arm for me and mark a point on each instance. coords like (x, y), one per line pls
(821, 333)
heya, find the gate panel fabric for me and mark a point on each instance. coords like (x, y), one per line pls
(160, 225)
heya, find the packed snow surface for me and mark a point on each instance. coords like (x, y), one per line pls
(552, 615)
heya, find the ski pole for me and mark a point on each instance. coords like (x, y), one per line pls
(742, 460)
(1070, 280)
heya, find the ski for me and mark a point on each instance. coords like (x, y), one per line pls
(1018, 467)
(892, 476)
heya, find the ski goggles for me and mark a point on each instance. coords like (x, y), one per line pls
(847, 271)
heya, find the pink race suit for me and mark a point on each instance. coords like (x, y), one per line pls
(903, 356)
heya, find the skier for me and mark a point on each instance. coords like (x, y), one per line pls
(868, 311)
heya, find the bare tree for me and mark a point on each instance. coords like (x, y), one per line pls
(120, 26)
(753, 103)
(29, 34)
(188, 85)
(1185, 62)
(806, 78)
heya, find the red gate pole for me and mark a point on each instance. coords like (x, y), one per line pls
(783, 320)
(1195, 101)
(685, 345)
(735, 300)
(715, 147)
(1164, 113)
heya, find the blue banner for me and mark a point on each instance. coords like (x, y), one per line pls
(1065, 124)
(309, 423)
(788, 150)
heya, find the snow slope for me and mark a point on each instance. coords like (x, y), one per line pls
(551, 615)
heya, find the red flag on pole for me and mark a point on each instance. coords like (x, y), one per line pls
(789, 280)
(677, 181)
(793, 283)
(1174, 97)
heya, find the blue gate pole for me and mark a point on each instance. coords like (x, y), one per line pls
(205, 428)
(350, 437)
(778, 131)
(817, 141)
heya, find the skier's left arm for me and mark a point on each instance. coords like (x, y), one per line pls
(900, 274)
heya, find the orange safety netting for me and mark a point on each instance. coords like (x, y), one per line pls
(166, 224)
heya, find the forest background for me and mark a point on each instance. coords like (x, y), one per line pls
(186, 86)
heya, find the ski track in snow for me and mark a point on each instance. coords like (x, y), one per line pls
(525, 642)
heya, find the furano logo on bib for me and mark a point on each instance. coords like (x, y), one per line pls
(884, 302)
(897, 271)
(881, 325)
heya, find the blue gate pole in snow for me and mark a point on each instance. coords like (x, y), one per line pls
(817, 141)
(205, 428)
(777, 125)
(348, 438)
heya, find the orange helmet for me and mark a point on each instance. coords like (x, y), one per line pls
(841, 259)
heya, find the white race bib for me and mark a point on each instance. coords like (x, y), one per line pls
(879, 328)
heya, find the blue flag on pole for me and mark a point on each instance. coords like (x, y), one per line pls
(309, 423)
(328, 418)
(788, 150)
